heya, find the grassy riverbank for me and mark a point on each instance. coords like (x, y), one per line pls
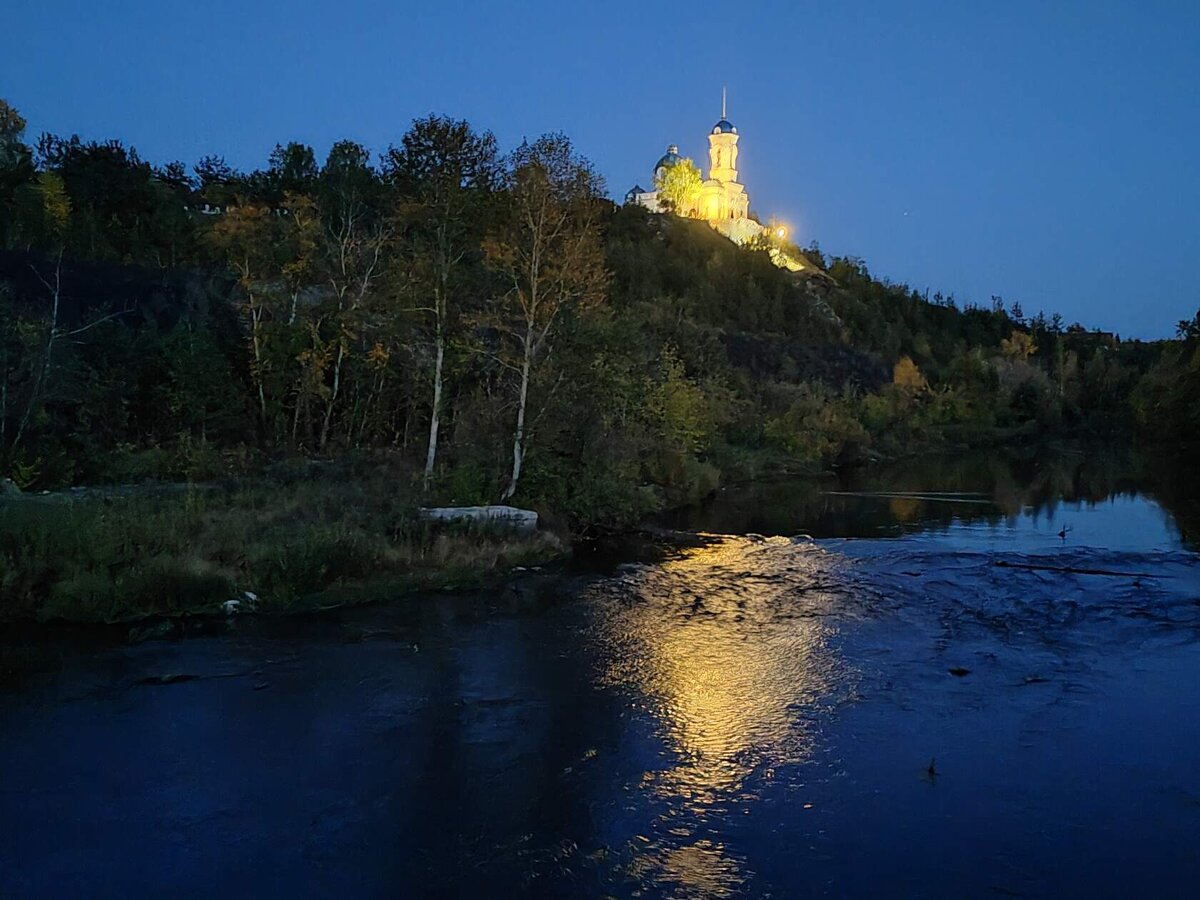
(298, 535)
(107, 557)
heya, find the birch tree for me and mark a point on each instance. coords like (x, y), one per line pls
(548, 251)
(246, 236)
(445, 174)
(46, 334)
(355, 238)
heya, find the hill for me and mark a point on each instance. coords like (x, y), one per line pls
(491, 326)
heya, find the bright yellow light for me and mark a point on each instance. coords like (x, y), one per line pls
(781, 232)
(730, 643)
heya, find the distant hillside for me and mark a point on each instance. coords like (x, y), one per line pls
(492, 327)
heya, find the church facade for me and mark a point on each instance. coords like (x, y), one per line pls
(722, 200)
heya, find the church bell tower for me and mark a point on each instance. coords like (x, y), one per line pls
(722, 148)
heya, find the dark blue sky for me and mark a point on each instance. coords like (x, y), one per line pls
(1043, 151)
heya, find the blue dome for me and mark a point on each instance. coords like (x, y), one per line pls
(724, 127)
(668, 159)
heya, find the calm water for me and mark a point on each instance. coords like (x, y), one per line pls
(765, 714)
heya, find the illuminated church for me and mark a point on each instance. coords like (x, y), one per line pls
(722, 200)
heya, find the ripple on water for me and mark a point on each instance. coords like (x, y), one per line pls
(731, 645)
(733, 653)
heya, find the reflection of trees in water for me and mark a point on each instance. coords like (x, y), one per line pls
(1032, 481)
(1172, 478)
(1015, 481)
(730, 645)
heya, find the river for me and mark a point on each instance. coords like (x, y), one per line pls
(976, 676)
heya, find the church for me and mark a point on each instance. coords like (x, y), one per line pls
(722, 200)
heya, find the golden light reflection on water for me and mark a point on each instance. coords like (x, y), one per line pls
(730, 645)
(904, 509)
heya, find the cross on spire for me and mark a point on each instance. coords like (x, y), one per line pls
(722, 101)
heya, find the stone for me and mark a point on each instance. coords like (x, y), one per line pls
(152, 631)
(522, 521)
(245, 603)
(8, 488)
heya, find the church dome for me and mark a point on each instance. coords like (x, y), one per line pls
(668, 159)
(724, 127)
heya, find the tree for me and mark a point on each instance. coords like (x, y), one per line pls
(293, 169)
(1018, 346)
(42, 337)
(548, 250)
(354, 240)
(246, 236)
(906, 375)
(1189, 330)
(679, 187)
(445, 175)
(219, 183)
(678, 406)
(12, 124)
(16, 168)
(56, 217)
(113, 196)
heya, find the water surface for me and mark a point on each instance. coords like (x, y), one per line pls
(846, 694)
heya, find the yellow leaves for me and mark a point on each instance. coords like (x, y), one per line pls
(301, 231)
(679, 187)
(501, 254)
(245, 236)
(906, 375)
(378, 356)
(56, 204)
(1019, 346)
(314, 363)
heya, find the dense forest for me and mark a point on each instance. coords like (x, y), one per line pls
(493, 327)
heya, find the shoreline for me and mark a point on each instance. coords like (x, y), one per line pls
(137, 556)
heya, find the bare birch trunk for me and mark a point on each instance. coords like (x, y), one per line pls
(255, 322)
(333, 395)
(519, 434)
(43, 378)
(435, 417)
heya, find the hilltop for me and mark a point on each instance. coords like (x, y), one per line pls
(172, 324)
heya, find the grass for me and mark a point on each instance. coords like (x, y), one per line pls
(298, 545)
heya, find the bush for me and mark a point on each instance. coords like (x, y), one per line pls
(817, 428)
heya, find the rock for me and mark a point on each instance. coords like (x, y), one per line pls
(154, 631)
(522, 521)
(245, 603)
(168, 678)
(8, 488)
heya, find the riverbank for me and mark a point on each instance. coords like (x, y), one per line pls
(266, 546)
(315, 535)
(750, 716)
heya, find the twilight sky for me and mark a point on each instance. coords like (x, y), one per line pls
(1043, 151)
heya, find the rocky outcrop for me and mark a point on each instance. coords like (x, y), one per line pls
(522, 521)
(793, 360)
